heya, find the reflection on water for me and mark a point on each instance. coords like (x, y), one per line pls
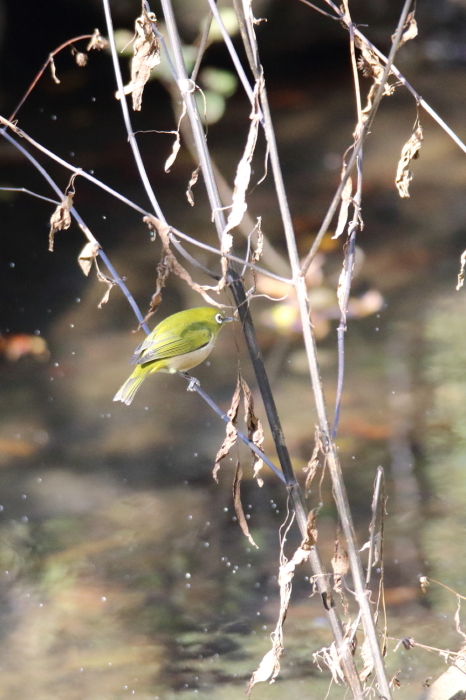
(123, 571)
(120, 579)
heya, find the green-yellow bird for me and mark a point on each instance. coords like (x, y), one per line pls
(177, 344)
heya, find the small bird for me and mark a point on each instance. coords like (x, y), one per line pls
(177, 344)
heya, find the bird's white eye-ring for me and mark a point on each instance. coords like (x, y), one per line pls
(219, 318)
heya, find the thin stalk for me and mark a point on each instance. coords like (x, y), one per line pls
(237, 288)
(125, 200)
(242, 436)
(419, 100)
(117, 280)
(40, 73)
(352, 230)
(310, 346)
(202, 46)
(33, 194)
(126, 117)
(84, 228)
(359, 142)
(372, 527)
(349, 264)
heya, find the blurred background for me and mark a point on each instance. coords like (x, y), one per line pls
(123, 571)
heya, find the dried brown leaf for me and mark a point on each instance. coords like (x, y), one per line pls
(311, 531)
(163, 270)
(53, 71)
(269, 667)
(257, 253)
(343, 288)
(410, 30)
(164, 231)
(243, 172)
(61, 217)
(231, 431)
(177, 143)
(254, 426)
(191, 183)
(313, 464)
(461, 272)
(368, 63)
(340, 566)
(146, 55)
(409, 151)
(87, 256)
(97, 42)
(457, 618)
(105, 280)
(238, 505)
(346, 199)
(366, 655)
(395, 683)
(331, 657)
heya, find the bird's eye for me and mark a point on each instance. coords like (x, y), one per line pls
(219, 318)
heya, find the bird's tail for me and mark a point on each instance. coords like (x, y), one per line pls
(126, 393)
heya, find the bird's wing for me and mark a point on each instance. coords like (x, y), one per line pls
(171, 344)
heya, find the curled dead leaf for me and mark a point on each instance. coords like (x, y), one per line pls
(239, 506)
(346, 199)
(366, 655)
(191, 183)
(313, 464)
(61, 217)
(409, 151)
(243, 171)
(145, 57)
(97, 42)
(231, 431)
(164, 231)
(53, 71)
(461, 272)
(163, 270)
(87, 256)
(254, 426)
(269, 668)
(410, 30)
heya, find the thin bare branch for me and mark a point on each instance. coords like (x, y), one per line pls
(420, 101)
(360, 141)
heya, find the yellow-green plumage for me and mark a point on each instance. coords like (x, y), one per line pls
(177, 344)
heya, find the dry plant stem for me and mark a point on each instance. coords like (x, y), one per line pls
(202, 46)
(349, 264)
(40, 73)
(133, 304)
(234, 280)
(238, 291)
(352, 230)
(269, 254)
(116, 278)
(133, 142)
(233, 258)
(26, 191)
(360, 140)
(372, 529)
(419, 100)
(309, 341)
(128, 202)
(241, 435)
(126, 117)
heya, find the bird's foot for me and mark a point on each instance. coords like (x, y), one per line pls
(193, 382)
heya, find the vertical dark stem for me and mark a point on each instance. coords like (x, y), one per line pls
(239, 295)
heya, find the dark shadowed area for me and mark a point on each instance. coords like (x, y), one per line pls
(123, 570)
